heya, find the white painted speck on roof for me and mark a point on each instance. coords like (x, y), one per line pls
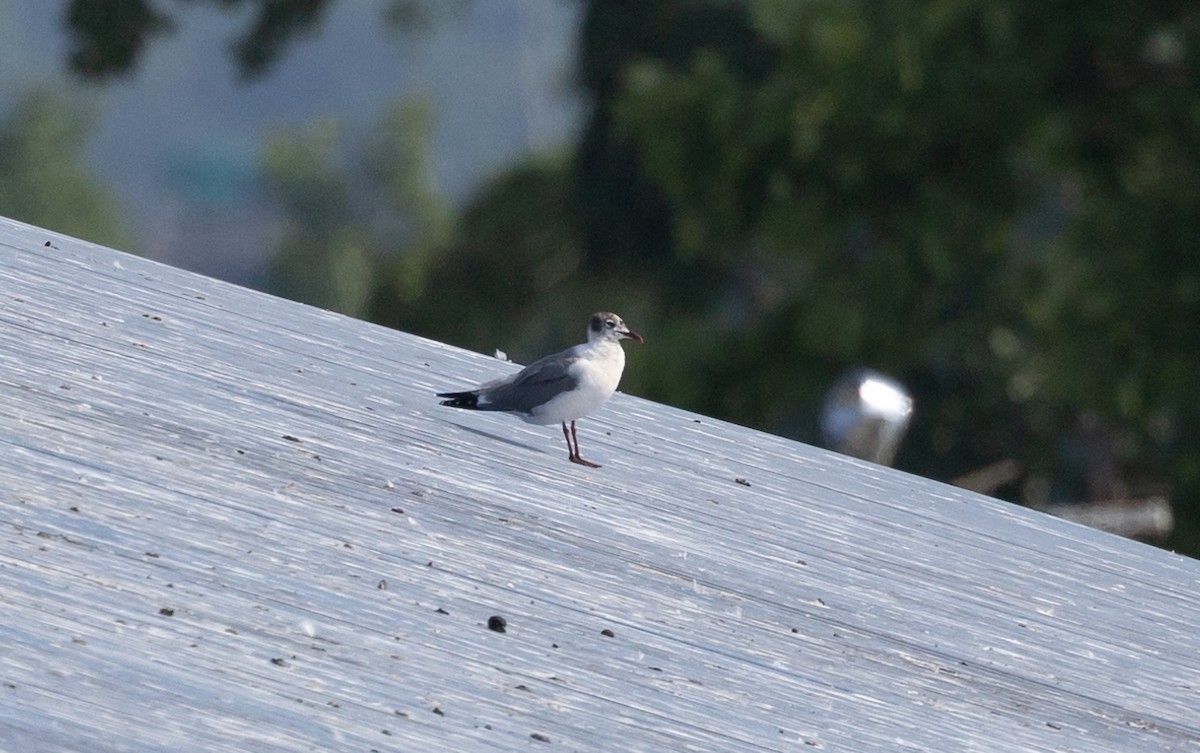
(232, 522)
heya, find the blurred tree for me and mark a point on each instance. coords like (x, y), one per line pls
(348, 209)
(43, 176)
(858, 208)
(109, 36)
(514, 276)
(994, 201)
(610, 178)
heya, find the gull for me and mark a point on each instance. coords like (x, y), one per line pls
(559, 388)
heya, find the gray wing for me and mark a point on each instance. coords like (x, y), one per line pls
(536, 384)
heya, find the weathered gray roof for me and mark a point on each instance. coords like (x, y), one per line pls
(232, 522)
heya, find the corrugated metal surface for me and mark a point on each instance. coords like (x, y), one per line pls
(232, 522)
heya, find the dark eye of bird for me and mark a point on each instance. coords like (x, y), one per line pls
(610, 323)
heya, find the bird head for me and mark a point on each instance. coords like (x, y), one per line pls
(606, 325)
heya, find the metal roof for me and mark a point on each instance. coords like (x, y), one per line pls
(234, 522)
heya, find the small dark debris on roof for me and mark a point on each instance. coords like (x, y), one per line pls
(279, 661)
(742, 481)
(167, 612)
(523, 687)
(152, 554)
(540, 737)
(439, 610)
(382, 584)
(438, 710)
(607, 633)
(399, 510)
(290, 438)
(497, 623)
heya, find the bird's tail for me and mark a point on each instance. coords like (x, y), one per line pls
(468, 400)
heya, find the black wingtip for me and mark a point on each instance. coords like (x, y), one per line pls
(468, 400)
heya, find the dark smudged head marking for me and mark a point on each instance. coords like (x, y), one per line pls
(602, 319)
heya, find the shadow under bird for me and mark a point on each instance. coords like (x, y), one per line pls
(559, 388)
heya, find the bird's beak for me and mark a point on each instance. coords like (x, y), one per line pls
(628, 335)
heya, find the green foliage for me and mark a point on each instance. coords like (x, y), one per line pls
(108, 37)
(346, 213)
(514, 275)
(43, 177)
(995, 202)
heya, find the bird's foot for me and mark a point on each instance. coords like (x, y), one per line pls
(581, 461)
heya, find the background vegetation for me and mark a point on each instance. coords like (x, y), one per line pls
(997, 203)
(42, 176)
